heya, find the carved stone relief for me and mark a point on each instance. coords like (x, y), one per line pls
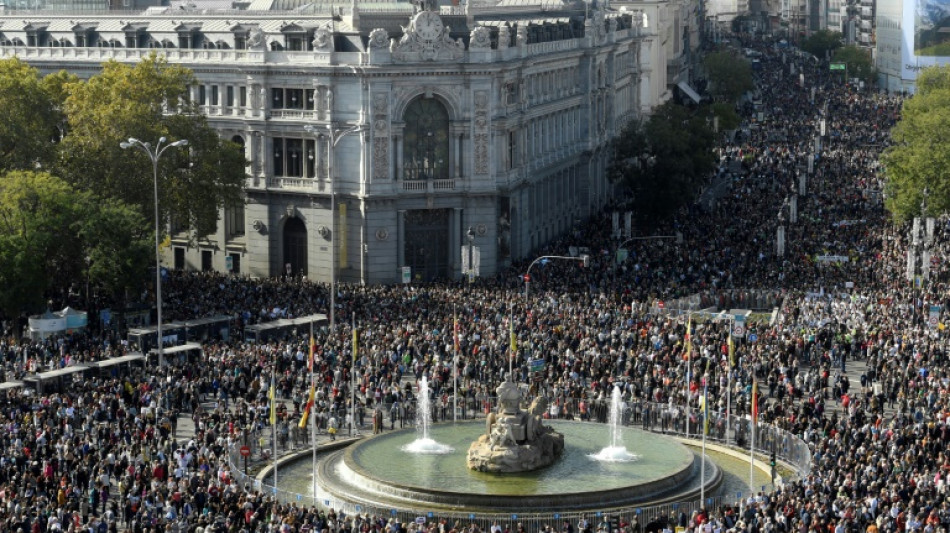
(380, 136)
(480, 137)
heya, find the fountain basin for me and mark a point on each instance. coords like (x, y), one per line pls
(377, 471)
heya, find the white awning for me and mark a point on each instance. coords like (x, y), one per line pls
(693, 95)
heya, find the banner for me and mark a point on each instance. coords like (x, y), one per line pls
(342, 241)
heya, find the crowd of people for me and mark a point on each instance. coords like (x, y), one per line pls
(106, 454)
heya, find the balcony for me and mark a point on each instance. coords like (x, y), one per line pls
(427, 186)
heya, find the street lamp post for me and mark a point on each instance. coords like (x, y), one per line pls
(155, 154)
(333, 136)
(471, 254)
(584, 259)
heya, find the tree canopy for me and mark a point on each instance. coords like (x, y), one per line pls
(821, 42)
(858, 61)
(665, 159)
(73, 202)
(52, 235)
(133, 101)
(729, 75)
(919, 158)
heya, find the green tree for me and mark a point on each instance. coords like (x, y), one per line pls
(147, 101)
(30, 117)
(821, 42)
(858, 61)
(664, 160)
(729, 75)
(726, 113)
(919, 157)
(53, 236)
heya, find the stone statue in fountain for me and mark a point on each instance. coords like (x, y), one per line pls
(515, 440)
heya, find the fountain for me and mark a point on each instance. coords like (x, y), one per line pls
(424, 444)
(616, 452)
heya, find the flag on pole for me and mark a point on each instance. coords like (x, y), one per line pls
(732, 351)
(455, 330)
(688, 339)
(705, 406)
(313, 347)
(755, 401)
(272, 395)
(307, 408)
(514, 340)
(356, 337)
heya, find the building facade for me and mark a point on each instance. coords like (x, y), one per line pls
(387, 136)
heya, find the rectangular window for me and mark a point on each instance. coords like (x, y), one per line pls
(311, 101)
(230, 96)
(310, 149)
(206, 257)
(235, 263)
(277, 98)
(294, 157)
(240, 42)
(243, 96)
(179, 258)
(202, 95)
(295, 44)
(294, 98)
(278, 156)
(214, 95)
(235, 220)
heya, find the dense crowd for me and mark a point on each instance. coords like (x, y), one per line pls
(104, 455)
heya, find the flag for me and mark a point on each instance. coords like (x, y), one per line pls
(705, 401)
(272, 395)
(755, 401)
(455, 331)
(688, 339)
(307, 408)
(313, 347)
(514, 340)
(732, 351)
(356, 342)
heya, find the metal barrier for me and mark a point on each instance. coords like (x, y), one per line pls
(659, 418)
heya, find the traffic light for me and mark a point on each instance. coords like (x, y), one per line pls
(527, 278)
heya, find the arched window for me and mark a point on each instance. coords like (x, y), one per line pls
(426, 140)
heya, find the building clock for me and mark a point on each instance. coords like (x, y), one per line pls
(428, 26)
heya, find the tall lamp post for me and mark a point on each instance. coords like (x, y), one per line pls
(470, 235)
(155, 153)
(332, 136)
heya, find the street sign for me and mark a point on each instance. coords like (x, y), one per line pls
(738, 330)
(406, 274)
(753, 337)
(838, 66)
(660, 304)
(245, 451)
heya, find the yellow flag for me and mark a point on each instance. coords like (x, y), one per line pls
(166, 242)
(356, 336)
(514, 340)
(732, 351)
(273, 402)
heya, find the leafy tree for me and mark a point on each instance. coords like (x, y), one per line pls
(726, 113)
(821, 42)
(29, 117)
(729, 74)
(858, 61)
(664, 160)
(134, 101)
(52, 236)
(919, 158)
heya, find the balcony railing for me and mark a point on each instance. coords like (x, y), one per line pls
(428, 186)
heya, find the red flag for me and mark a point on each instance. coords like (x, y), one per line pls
(755, 400)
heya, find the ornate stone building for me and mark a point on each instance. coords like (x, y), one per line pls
(430, 126)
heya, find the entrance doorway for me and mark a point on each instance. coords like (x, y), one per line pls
(295, 248)
(427, 244)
